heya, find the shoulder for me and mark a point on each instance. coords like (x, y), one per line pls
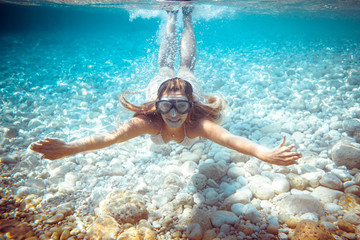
(134, 127)
(201, 128)
(144, 124)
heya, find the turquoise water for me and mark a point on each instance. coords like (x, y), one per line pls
(49, 52)
(286, 69)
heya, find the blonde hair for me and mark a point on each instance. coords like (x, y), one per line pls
(211, 108)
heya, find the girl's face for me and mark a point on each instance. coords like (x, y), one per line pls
(173, 118)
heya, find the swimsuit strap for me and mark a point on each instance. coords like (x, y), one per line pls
(187, 142)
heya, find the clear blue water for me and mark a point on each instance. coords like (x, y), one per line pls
(290, 67)
(49, 52)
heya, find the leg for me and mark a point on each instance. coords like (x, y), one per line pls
(167, 53)
(188, 55)
(188, 44)
(168, 44)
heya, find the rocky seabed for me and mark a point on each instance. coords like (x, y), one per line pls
(171, 192)
(137, 190)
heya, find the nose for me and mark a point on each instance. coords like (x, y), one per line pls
(173, 112)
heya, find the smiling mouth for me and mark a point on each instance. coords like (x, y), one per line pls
(174, 121)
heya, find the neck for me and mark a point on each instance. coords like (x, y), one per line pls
(179, 131)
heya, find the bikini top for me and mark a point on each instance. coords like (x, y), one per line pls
(187, 142)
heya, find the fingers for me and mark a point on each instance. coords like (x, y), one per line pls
(288, 161)
(283, 142)
(290, 147)
(282, 149)
(35, 147)
(293, 157)
(47, 157)
(287, 158)
(50, 157)
(289, 154)
(284, 162)
(284, 156)
(39, 147)
(49, 148)
(51, 140)
(47, 143)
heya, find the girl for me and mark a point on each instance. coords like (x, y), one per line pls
(175, 110)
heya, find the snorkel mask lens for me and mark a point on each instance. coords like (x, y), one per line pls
(181, 106)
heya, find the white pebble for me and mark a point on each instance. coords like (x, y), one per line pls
(261, 187)
(300, 204)
(188, 168)
(310, 216)
(235, 172)
(326, 195)
(343, 174)
(283, 236)
(242, 195)
(189, 156)
(280, 185)
(330, 180)
(60, 171)
(313, 178)
(252, 167)
(331, 208)
(352, 218)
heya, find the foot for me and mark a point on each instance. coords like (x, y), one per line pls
(169, 6)
(172, 16)
(187, 10)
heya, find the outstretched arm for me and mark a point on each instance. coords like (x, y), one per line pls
(281, 155)
(54, 148)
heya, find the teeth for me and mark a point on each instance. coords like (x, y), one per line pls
(174, 120)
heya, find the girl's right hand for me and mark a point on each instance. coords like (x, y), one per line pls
(52, 148)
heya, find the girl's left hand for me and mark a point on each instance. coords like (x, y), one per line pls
(282, 155)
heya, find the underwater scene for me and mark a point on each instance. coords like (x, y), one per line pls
(75, 163)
